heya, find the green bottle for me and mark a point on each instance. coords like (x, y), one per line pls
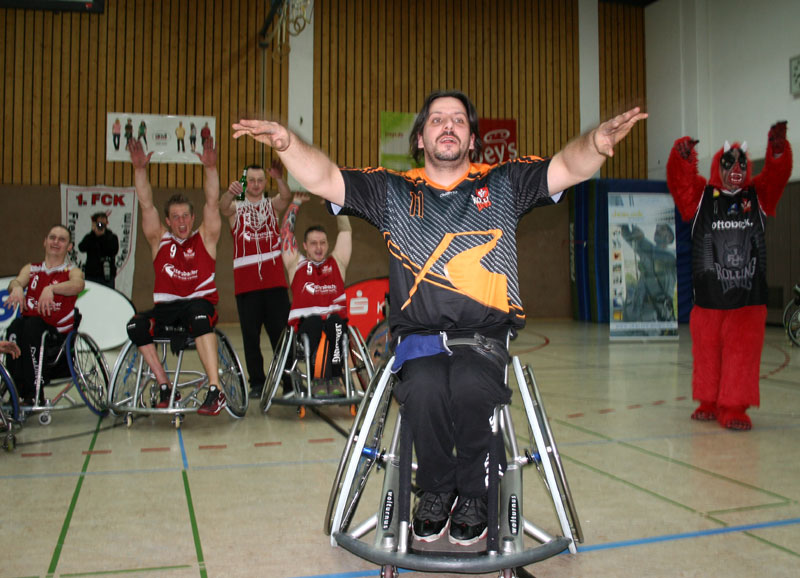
(243, 180)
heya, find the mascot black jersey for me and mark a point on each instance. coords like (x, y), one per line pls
(453, 251)
(729, 268)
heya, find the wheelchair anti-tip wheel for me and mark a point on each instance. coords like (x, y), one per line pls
(89, 370)
(231, 377)
(362, 451)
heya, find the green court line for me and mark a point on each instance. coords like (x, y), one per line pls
(747, 508)
(784, 500)
(65, 526)
(758, 538)
(128, 571)
(677, 462)
(630, 484)
(195, 532)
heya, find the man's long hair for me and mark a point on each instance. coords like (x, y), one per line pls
(472, 116)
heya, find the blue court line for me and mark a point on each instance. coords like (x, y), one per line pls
(162, 470)
(183, 450)
(686, 535)
(609, 545)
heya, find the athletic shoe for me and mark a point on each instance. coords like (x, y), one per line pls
(432, 515)
(335, 387)
(255, 393)
(468, 524)
(214, 403)
(319, 388)
(163, 396)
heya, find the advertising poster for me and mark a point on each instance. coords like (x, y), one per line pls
(118, 204)
(499, 140)
(395, 128)
(642, 272)
(171, 139)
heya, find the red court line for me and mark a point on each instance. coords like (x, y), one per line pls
(217, 447)
(781, 367)
(155, 449)
(37, 455)
(632, 406)
(545, 339)
(96, 452)
(265, 444)
(321, 441)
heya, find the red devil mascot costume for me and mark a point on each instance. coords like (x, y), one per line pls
(729, 268)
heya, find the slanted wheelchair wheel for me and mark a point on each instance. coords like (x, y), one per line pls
(791, 307)
(361, 363)
(276, 368)
(378, 340)
(361, 451)
(547, 450)
(89, 371)
(231, 377)
(9, 400)
(793, 327)
(123, 384)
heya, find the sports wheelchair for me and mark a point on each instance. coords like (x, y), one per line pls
(791, 317)
(9, 410)
(135, 390)
(292, 358)
(393, 546)
(64, 361)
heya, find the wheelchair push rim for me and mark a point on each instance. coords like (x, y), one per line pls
(89, 371)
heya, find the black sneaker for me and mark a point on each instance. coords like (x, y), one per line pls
(432, 514)
(468, 524)
(163, 396)
(214, 402)
(255, 393)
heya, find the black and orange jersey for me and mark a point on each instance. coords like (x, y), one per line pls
(453, 251)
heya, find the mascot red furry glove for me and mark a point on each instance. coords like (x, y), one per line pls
(729, 268)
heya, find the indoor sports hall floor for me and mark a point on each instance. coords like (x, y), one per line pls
(657, 494)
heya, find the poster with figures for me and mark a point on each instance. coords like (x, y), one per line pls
(82, 208)
(171, 139)
(642, 273)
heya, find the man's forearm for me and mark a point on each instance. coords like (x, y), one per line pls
(144, 191)
(211, 187)
(581, 156)
(313, 169)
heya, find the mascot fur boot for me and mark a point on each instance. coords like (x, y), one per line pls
(728, 215)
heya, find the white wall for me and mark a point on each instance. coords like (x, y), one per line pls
(717, 70)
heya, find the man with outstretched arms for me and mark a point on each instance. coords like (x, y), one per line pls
(52, 287)
(319, 304)
(450, 230)
(184, 260)
(260, 284)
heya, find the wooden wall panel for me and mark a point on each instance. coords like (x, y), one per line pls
(515, 59)
(622, 83)
(62, 72)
